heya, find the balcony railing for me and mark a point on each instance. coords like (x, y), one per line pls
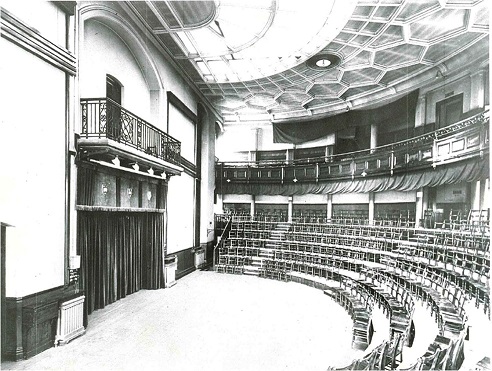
(462, 140)
(104, 118)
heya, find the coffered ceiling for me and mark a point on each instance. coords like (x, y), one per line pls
(266, 60)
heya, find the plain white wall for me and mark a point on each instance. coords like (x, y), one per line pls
(103, 52)
(32, 145)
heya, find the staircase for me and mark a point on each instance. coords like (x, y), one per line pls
(277, 234)
(274, 242)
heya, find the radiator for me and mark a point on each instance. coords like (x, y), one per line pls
(70, 320)
(199, 258)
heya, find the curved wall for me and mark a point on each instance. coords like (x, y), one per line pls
(103, 52)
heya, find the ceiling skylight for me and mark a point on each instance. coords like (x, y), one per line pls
(262, 38)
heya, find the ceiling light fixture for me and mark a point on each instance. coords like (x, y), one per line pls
(322, 62)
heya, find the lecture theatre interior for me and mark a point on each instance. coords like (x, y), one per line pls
(245, 185)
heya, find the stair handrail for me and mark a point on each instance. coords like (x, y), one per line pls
(221, 239)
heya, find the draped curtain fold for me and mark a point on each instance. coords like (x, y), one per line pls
(85, 186)
(401, 111)
(121, 253)
(449, 174)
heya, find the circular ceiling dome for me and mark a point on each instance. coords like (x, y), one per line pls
(245, 43)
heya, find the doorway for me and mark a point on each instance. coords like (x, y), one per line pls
(449, 110)
(113, 108)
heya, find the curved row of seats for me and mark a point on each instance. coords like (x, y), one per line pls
(461, 258)
(359, 308)
(393, 265)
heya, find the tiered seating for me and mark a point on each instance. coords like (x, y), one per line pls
(230, 211)
(396, 217)
(276, 215)
(460, 258)
(309, 216)
(359, 306)
(351, 216)
(475, 221)
(442, 354)
(478, 220)
(395, 300)
(386, 356)
(362, 265)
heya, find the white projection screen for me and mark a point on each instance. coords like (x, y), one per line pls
(182, 129)
(181, 189)
(180, 211)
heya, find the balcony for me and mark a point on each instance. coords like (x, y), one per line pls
(467, 140)
(110, 131)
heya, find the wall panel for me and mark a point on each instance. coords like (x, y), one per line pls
(32, 146)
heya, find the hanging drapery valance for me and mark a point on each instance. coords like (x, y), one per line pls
(396, 113)
(449, 174)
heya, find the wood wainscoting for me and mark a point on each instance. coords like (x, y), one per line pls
(209, 251)
(186, 262)
(31, 322)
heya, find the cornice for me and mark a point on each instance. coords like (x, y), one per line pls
(16, 31)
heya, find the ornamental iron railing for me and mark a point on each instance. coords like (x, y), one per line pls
(104, 118)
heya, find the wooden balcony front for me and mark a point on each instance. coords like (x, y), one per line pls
(110, 131)
(464, 140)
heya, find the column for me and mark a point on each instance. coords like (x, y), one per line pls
(253, 206)
(256, 139)
(425, 205)
(329, 206)
(289, 208)
(419, 206)
(475, 195)
(328, 153)
(477, 99)
(374, 137)
(289, 155)
(486, 192)
(371, 207)
(420, 118)
(219, 206)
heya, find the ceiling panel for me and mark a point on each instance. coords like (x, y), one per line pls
(365, 76)
(426, 30)
(375, 45)
(439, 51)
(399, 55)
(414, 8)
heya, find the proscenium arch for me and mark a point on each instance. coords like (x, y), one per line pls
(137, 47)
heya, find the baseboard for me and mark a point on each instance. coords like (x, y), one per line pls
(183, 273)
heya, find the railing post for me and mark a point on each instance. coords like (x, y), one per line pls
(392, 161)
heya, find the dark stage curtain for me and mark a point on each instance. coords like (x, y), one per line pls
(121, 253)
(449, 174)
(85, 186)
(395, 113)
